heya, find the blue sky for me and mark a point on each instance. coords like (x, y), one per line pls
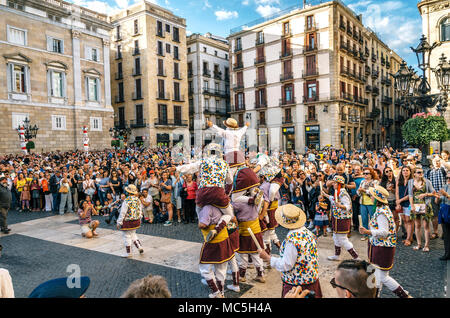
(397, 22)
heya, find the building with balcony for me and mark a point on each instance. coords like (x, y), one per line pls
(436, 27)
(304, 67)
(55, 72)
(209, 84)
(151, 83)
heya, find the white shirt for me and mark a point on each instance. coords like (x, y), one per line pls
(287, 262)
(232, 137)
(383, 227)
(6, 286)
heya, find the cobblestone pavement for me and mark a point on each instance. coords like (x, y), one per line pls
(32, 261)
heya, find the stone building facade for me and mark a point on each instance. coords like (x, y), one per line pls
(149, 81)
(208, 85)
(55, 72)
(314, 76)
(436, 27)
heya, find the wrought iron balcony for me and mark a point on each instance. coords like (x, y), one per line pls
(260, 60)
(162, 95)
(260, 82)
(310, 48)
(136, 51)
(367, 70)
(286, 53)
(287, 102)
(375, 91)
(215, 92)
(138, 123)
(259, 41)
(368, 88)
(375, 74)
(119, 99)
(206, 73)
(178, 98)
(238, 66)
(261, 104)
(261, 122)
(310, 118)
(237, 48)
(342, 26)
(215, 110)
(343, 46)
(218, 75)
(237, 108)
(286, 76)
(238, 86)
(287, 120)
(136, 95)
(310, 72)
(386, 100)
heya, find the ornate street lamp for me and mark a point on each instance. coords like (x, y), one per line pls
(27, 132)
(120, 132)
(414, 90)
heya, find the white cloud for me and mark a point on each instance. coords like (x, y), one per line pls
(105, 7)
(245, 2)
(225, 15)
(267, 10)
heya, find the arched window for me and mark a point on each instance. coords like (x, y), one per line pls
(445, 30)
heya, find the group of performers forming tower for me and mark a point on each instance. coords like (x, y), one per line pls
(238, 214)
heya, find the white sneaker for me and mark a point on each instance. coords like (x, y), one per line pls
(217, 294)
(329, 230)
(333, 258)
(311, 226)
(126, 255)
(234, 288)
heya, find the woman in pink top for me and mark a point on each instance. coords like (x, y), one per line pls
(189, 193)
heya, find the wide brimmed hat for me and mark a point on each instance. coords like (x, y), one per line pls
(379, 193)
(290, 216)
(131, 189)
(231, 123)
(58, 288)
(339, 179)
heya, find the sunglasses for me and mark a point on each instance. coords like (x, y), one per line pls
(366, 173)
(388, 171)
(419, 172)
(333, 283)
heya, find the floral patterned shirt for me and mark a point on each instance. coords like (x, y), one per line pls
(391, 239)
(306, 267)
(344, 199)
(213, 172)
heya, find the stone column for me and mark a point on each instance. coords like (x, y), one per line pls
(106, 70)
(76, 67)
(78, 97)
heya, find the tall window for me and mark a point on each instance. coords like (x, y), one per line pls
(136, 27)
(118, 35)
(162, 113)
(260, 37)
(176, 91)
(177, 115)
(160, 67)
(175, 53)
(286, 28)
(445, 30)
(18, 78)
(238, 45)
(57, 84)
(121, 116)
(160, 48)
(121, 91)
(161, 88)
(159, 28)
(139, 112)
(138, 88)
(176, 34)
(309, 22)
(312, 90)
(288, 94)
(93, 89)
(137, 66)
